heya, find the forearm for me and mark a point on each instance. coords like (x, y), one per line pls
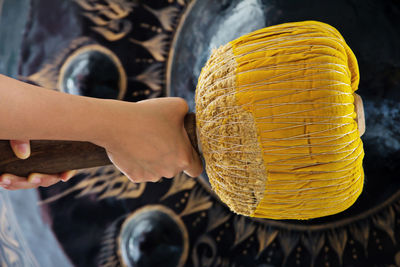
(145, 140)
(30, 112)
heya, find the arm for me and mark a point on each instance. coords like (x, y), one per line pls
(145, 140)
(30, 112)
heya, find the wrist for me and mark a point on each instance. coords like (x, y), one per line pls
(109, 119)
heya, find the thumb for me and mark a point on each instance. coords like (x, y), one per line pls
(196, 166)
(21, 148)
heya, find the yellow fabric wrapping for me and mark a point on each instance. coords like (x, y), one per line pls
(298, 80)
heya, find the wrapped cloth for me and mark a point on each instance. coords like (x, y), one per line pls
(277, 122)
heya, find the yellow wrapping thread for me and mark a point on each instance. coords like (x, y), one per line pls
(228, 136)
(276, 120)
(298, 79)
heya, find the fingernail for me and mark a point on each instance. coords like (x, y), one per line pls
(69, 175)
(72, 173)
(23, 150)
(34, 179)
(6, 181)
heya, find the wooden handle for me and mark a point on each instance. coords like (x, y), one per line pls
(190, 127)
(52, 157)
(58, 156)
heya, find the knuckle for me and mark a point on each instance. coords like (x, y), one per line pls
(169, 175)
(137, 176)
(132, 175)
(162, 172)
(174, 172)
(182, 103)
(132, 178)
(150, 178)
(155, 179)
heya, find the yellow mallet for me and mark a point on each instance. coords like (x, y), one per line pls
(277, 120)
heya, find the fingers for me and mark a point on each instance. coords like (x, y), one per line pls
(195, 167)
(12, 182)
(44, 180)
(65, 176)
(21, 148)
(34, 180)
(181, 104)
(143, 176)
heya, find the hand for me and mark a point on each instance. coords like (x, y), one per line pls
(34, 180)
(147, 140)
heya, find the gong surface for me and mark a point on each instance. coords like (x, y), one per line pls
(210, 24)
(161, 47)
(25, 239)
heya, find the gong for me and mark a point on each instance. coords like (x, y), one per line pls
(379, 85)
(157, 48)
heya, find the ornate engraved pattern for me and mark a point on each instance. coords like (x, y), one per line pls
(155, 46)
(48, 75)
(113, 20)
(108, 254)
(180, 183)
(338, 239)
(109, 18)
(110, 183)
(13, 249)
(265, 236)
(386, 223)
(217, 216)
(314, 243)
(243, 229)
(152, 77)
(202, 259)
(198, 201)
(288, 241)
(269, 237)
(360, 232)
(166, 16)
(217, 237)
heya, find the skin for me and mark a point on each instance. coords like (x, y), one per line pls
(8, 181)
(146, 140)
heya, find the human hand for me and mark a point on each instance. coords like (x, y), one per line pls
(147, 140)
(12, 182)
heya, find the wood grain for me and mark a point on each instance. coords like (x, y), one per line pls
(58, 156)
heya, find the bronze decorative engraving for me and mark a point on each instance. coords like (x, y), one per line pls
(158, 48)
(85, 57)
(13, 248)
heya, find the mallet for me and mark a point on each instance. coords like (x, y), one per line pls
(277, 120)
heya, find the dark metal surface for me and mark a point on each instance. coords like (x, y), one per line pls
(93, 71)
(154, 236)
(25, 237)
(162, 46)
(375, 43)
(207, 25)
